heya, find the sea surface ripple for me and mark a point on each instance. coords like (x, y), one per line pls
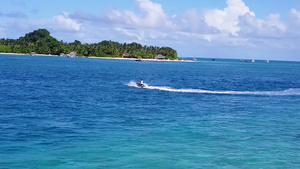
(88, 113)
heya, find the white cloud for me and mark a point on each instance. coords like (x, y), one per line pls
(192, 22)
(295, 15)
(131, 34)
(1, 31)
(20, 25)
(294, 25)
(65, 22)
(153, 16)
(227, 20)
(271, 27)
(192, 19)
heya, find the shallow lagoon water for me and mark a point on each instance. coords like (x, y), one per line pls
(87, 113)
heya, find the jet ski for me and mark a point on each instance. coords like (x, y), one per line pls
(139, 84)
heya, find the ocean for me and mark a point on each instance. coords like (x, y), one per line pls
(58, 112)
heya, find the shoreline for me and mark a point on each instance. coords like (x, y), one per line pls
(94, 57)
(140, 59)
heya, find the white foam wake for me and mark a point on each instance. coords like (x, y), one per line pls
(288, 92)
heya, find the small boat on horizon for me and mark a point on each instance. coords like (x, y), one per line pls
(253, 61)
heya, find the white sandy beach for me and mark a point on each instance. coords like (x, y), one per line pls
(94, 57)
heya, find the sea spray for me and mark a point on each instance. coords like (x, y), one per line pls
(132, 84)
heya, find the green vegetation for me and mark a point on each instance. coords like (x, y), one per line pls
(40, 42)
(5, 49)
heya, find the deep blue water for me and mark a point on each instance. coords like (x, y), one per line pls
(87, 113)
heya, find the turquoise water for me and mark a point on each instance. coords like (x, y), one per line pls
(88, 113)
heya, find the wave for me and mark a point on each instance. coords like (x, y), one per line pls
(288, 92)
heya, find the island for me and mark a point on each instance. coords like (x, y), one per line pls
(41, 42)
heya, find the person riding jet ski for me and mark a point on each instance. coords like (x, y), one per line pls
(140, 83)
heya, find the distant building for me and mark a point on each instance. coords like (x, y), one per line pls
(72, 54)
(160, 56)
(127, 55)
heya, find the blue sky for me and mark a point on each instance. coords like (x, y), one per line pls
(256, 29)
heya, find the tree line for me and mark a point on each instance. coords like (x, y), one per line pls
(40, 42)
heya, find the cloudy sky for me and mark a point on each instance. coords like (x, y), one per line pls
(259, 29)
